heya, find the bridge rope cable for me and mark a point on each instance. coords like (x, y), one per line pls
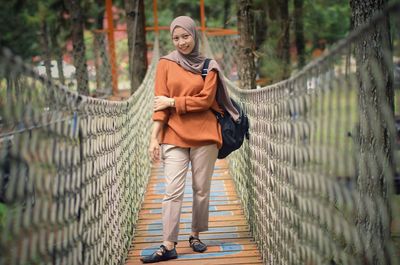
(73, 169)
(316, 177)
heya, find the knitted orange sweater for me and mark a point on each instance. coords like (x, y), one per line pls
(191, 123)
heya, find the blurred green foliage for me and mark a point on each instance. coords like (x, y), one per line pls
(14, 22)
(325, 22)
(3, 211)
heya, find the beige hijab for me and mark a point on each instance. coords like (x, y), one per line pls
(194, 62)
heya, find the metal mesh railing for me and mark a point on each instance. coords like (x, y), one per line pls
(316, 177)
(73, 169)
(224, 49)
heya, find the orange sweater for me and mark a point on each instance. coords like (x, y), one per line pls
(191, 123)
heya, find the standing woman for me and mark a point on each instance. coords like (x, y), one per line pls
(186, 128)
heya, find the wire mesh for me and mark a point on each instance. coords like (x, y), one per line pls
(73, 169)
(224, 49)
(316, 177)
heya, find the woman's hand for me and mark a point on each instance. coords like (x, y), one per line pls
(154, 150)
(162, 102)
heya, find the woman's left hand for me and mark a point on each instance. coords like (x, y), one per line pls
(162, 102)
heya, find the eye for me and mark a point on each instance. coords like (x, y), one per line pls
(175, 38)
(186, 36)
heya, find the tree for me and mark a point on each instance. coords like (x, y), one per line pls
(227, 8)
(58, 51)
(299, 32)
(46, 47)
(79, 49)
(21, 37)
(101, 59)
(284, 41)
(135, 17)
(246, 66)
(374, 74)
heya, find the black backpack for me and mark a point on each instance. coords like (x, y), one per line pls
(233, 133)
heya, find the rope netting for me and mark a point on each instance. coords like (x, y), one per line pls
(224, 50)
(316, 177)
(73, 169)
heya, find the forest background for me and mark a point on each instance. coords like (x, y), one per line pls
(300, 29)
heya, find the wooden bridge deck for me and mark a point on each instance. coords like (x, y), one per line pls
(228, 238)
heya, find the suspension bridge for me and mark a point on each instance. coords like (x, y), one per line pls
(77, 186)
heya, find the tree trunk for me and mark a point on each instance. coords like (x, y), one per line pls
(261, 31)
(246, 66)
(135, 18)
(374, 74)
(79, 49)
(97, 64)
(46, 48)
(261, 26)
(272, 7)
(58, 56)
(227, 8)
(60, 68)
(299, 32)
(103, 67)
(284, 42)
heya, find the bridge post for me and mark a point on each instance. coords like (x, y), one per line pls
(155, 15)
(202, 17)
(111, 47)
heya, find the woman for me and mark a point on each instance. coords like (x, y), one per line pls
(188, 131)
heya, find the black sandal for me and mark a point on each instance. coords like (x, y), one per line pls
(160, 254)
(196, 244)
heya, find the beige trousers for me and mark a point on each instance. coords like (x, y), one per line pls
(176, 164)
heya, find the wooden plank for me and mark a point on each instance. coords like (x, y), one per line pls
(188, 209)
(143, 225)
(225, 219)
(213, 242)
(186, 230)
(187, 254)
(156, 205)
(215, 251)
(185, 249)
(204, 236)
(230, 261)
(233, 216)
(217, 197)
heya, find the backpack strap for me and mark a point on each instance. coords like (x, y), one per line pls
(204, 71)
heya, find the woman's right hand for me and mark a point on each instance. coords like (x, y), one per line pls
(154, 150)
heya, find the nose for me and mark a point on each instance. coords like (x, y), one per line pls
(181, 42)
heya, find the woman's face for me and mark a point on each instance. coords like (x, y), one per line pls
(183, 41)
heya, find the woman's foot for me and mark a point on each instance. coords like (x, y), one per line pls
(196, 244)
(160, 254)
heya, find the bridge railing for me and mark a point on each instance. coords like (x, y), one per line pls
(316, 178)
(73, 169)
